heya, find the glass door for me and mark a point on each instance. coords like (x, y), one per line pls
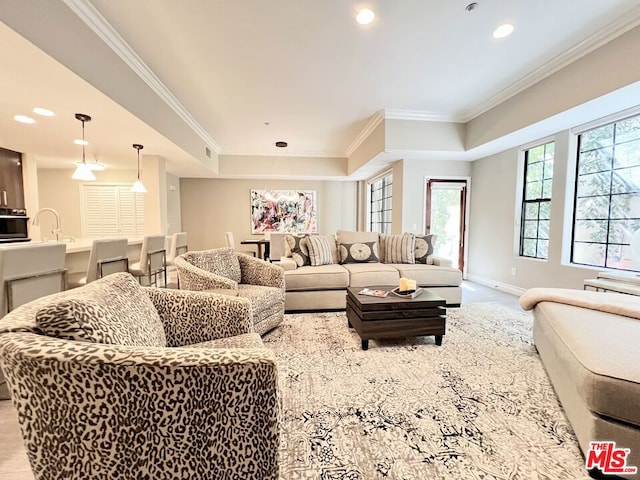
(445, 217)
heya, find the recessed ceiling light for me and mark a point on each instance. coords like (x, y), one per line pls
(24, 119)
(80, 142)
(45, 112)
(503, 30)
(365, 16)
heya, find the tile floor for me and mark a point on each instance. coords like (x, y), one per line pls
(13, 460)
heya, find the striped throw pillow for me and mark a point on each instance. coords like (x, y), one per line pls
(399, 248)
(320, 250)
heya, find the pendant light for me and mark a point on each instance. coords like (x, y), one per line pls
(138, 187)
(83, 171)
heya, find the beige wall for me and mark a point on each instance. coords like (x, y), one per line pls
(211, 207)
(246, 166)
(495, 216)
(423, 135)
(174, 220)
(602, 71)
(372, 146)
(413, 187)
(57, 190)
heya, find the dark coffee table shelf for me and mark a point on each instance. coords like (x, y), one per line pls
(392, 316)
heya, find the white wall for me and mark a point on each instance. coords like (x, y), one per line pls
(211, 207)
(495, 216)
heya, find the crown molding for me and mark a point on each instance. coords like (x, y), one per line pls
(419, 115)
(103, 29)
(610, 32)
(375, 120)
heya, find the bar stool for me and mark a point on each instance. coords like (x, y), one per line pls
(153, 260)
(231, 243)
(29, 272)
(107, 256)
(178, 246)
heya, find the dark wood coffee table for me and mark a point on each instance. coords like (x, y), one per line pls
(393, 316)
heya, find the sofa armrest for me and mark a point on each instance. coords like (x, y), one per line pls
(140, 402)
(256, 271)
(442, 262)
(288, 263)
(195, 317)
(191, 277)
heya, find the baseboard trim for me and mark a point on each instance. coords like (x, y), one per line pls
(503, 287)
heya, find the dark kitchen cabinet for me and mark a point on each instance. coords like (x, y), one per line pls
(11, 188)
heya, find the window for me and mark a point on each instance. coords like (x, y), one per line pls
(380, 204)
(606, 217)
(536, 201)
(111, 210)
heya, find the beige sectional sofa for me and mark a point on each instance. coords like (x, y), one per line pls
(588, 343)
(323, 287)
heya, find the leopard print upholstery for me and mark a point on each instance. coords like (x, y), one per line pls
(97, 411)
(255, 271)
(271, 302)
(221, 261)
(191, 277)
(246, 340)
(196, 317)
(113, 309)
(261, 282)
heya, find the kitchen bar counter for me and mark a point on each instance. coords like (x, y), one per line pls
(77, 258)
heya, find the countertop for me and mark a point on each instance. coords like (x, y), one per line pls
(77, 246)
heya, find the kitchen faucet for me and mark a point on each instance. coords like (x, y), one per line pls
(58, 230)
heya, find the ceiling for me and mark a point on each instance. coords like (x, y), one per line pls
(247, 73)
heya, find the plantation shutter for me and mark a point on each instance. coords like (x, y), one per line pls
(109, 210)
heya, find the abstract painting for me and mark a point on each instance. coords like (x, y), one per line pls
(283, 211)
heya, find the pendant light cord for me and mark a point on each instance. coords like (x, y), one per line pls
(83, 144)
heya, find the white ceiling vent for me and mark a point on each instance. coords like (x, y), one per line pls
(207, 151)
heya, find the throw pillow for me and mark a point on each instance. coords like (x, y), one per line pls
(320, 250)
(424, 248)
(299, 249)
(399, 248)
(359, 252)
(114, 310)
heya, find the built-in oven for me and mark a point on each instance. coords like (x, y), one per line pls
(14, 225)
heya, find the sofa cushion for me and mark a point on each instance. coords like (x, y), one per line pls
(359, 252)
(299, 249)
(221, 261)
(113, 310)
(601, 353)
(322, 249)
(323, 277)
(423, 252)
(398, 248)
(430, 275)
(371, 274)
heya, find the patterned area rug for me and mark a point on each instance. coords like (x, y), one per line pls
(478, 407)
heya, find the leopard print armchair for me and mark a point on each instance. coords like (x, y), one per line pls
(192, 394)
(261, 282)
